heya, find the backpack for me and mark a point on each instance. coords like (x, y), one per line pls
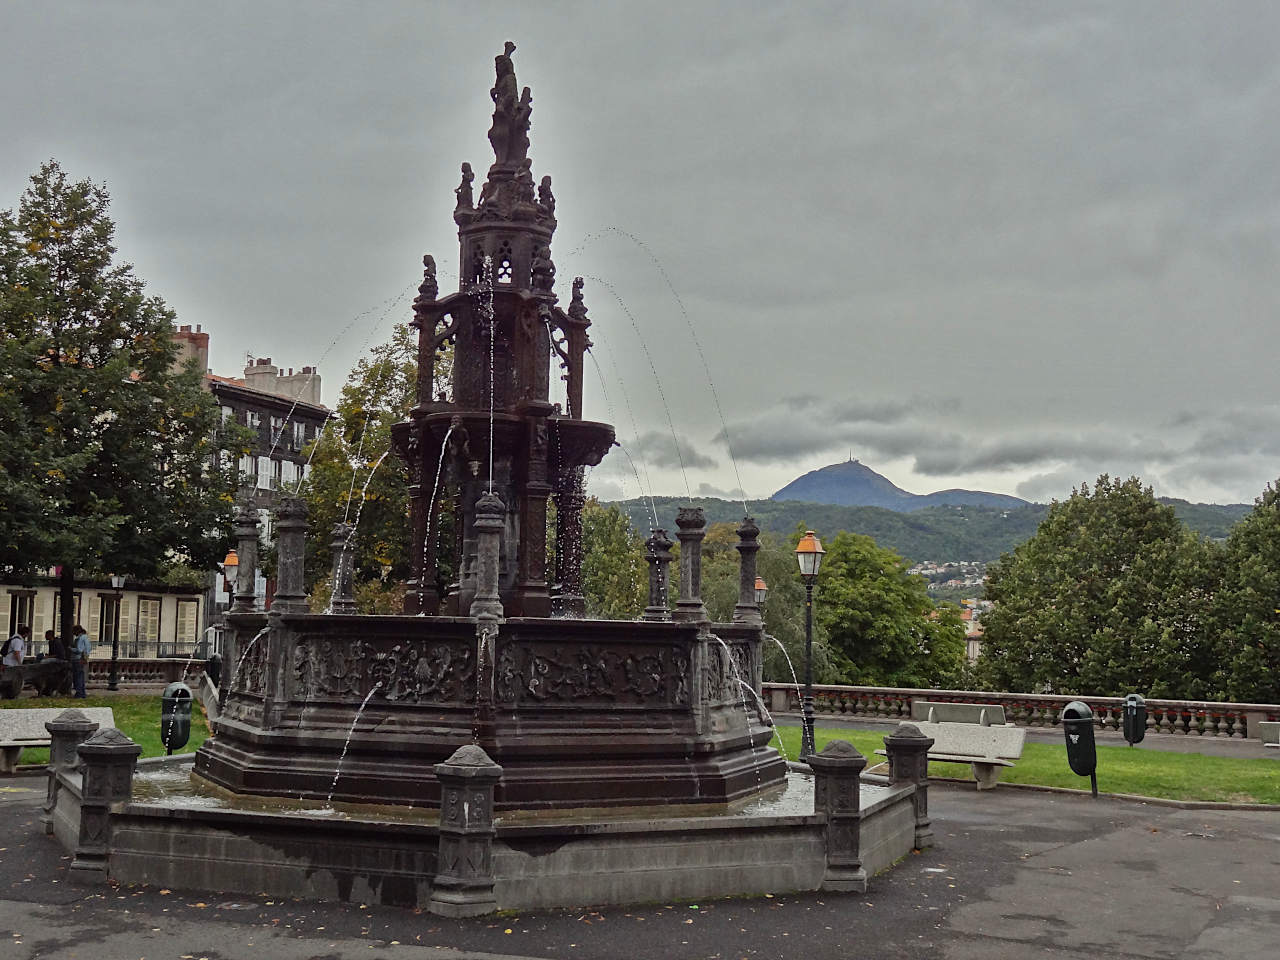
(4, 650)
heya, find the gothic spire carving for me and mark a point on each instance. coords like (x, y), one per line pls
(509, 134)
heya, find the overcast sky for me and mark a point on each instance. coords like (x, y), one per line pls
(1004, 246)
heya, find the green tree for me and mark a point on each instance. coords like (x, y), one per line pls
(1112, 595)
(614, 574)
(1247, 608)
(109, 456)
(880, 620)
(355, 478)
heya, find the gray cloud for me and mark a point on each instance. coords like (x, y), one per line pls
(666, 451)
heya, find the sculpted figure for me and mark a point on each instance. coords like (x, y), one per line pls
(463, 193)
(505, 95)
(545, 198)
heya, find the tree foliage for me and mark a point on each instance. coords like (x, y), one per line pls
(614, 574)
(1248, 605)
(1112, 595)
(355, 478)
(109, 454)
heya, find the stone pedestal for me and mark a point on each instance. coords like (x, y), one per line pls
(693, 528)
(836, 794)
(67, 731)
(908, 751)
(657, 554)
(291, 536)
(747, 610)
(464, 872)
(490, 516)
(109, 759)
(246, 534)
(343, 598)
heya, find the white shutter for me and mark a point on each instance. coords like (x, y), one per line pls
(187, 610)
(40, 613)
(95, 611)
(5, 600)
(126, 621)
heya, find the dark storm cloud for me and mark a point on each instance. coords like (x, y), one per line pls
(1005, 241)
(666, 451)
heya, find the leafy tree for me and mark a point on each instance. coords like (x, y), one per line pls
(354, 476)
(1112, 595)
(615, 576)
(1247, 609)
(880, 620)
(109, 454)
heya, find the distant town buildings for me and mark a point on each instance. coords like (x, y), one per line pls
(958, 576)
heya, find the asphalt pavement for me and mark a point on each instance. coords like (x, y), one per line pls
(1014, 874)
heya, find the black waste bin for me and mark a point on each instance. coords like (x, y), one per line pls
(1135, 718)
(175, 716)
(1082, 754)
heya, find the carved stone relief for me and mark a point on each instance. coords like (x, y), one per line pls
(646, 675)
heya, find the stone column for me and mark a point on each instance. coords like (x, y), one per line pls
(835, 793)
(109, 759)
(246, 534)
(463, 885)
(343, 597)
(693, 527)
(908, 751)
(747, 610)
(491, 515)
(291, 545)
(67, 731)
(657, 553)
(569, 503)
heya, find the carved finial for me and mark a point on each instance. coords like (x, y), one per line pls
(428, 290)
(577, 307)
(463, 193)
(508, 48)
(524, 181)
(546, 199)
(509, 134)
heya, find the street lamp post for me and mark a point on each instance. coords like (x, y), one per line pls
(762, 589)
(809, 555)
(113, 678)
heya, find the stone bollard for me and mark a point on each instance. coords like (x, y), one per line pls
(657, 553)
(342, 600)
(693, 528)
(836, 793)
(463, 885)
(109, 759)
(291, 546)
(67, 731)
(908, 751)
(747, 610)
(246, 534)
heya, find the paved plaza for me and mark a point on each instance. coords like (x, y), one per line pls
(1014, 874)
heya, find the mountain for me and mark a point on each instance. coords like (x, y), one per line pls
(854, 484)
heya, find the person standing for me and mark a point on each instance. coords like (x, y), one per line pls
(57, 649)
(17, 646)
(80, 660)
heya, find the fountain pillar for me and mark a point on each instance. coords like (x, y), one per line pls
(908, 751)
(343, 598)
(245, 531)
(110, 759)
(463, 886)
(836, 772)
(291, 537)
(747, 610)
(569, 502)
(490, 515)
(693, 528)
(67, 731)
(658, 555)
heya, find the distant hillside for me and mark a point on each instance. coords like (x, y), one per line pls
(931, 533)
(854, 484)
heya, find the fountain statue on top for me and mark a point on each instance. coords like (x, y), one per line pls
(494, 648)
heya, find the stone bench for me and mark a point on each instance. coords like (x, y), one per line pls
(20, 729)
(985, 749)
(984, 714)
(1269, 733)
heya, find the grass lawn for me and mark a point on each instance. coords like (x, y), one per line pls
(137, 716)
(1147, 773)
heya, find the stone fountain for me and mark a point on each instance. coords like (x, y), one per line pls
(494, 649)
(491, 747)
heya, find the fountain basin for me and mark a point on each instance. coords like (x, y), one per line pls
(189, 836)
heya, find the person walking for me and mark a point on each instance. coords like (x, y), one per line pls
(17, 646)
(80, 648)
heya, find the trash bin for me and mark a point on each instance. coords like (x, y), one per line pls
(1135, 718)
(1082, 754)
(175, 716)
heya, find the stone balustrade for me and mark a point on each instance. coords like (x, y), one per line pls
(1178, 717)
(146, 671)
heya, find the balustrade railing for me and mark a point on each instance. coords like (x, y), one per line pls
(1184, 717)
(146, 671)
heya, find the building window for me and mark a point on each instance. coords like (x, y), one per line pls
(228, 414)
(252, 419)
(277, 473)
(21, 608)
(149, 620)
(299, 435)
(57, 610)
(264, 473)
(188, 624)
(277, 429)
